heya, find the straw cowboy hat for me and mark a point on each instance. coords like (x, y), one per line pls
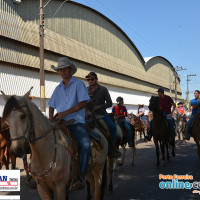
(65, 62)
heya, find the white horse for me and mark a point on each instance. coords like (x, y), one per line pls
(51, 150)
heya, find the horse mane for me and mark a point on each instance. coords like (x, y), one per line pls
(11, 104)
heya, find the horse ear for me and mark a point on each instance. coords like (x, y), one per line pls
(27, 94)
(5, 97)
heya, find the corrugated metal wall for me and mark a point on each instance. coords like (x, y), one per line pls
(79, 33)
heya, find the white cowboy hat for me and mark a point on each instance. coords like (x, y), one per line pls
(65, 62)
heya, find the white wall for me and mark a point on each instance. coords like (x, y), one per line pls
(17, 81)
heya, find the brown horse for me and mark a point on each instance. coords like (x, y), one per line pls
(195, 132)
(160, 130)
(52, 158)
(5, 144)
(138, 124)
(6, 154)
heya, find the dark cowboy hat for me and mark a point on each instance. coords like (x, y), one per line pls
(180, 103)
(65, 62)
(160, 90)
(91, 74)
(118, 99)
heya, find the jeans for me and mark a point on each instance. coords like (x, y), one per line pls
(113, 131)
(191, 119)
(184, 119)
(84, 145)
(128, 130)
(144, 120)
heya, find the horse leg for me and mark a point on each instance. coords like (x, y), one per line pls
(90, 183)
(110, 170)
(123, 155)
(132, 149)
(199, 152)
(89, 196)
(167, 149)
(98, 171)
(173, 147)
(46, 193)
(162, 147)
(13, 160)
(104, 180)
(7, 159)
(1, 157)
(157, 152)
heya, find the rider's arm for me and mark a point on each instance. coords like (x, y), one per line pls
(76, 108)
(51, 112)
(196, 106)
(108, 99)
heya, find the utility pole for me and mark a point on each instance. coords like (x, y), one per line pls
(176, 76)
(187, 93)
(42, 79)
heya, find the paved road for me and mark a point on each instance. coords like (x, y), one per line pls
(141, 180)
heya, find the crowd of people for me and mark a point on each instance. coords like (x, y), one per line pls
(70, 98)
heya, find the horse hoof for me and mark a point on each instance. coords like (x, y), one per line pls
(163, 163)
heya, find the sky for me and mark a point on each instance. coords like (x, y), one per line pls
(167, 28)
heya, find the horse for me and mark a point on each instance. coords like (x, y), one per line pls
(52, 153)
(138, 124)
(180, 127)
(97, 121)
(5, 144)
(122, 140)
(160, 130)
(195, 132)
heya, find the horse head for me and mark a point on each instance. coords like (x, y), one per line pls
(17, 115)
(90, 115)
(153, 104)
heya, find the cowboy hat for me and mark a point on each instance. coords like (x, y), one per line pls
(180, 103)
(65, 62)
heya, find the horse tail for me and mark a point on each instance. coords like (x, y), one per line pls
(104, 180)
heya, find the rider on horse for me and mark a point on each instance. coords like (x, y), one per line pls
(165, 104)
(181, 111)
(102, 100)
(70, 98)
(196, 105)
(141, 112)
(120, 112)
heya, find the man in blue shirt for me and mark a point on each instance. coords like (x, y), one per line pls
(195, 103)
(70, 98)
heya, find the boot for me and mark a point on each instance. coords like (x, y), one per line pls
(149, 135)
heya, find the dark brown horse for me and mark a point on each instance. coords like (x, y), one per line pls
(160, 130)
(122, 140)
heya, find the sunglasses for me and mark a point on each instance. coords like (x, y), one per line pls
(90, 79)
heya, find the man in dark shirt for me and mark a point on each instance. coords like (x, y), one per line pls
(165, 104)
(100, 96)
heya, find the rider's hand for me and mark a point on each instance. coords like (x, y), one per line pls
(61, 115)
(170, 114)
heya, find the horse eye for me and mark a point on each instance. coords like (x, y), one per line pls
(23, 116)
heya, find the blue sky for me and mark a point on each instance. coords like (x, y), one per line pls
(168, 28)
